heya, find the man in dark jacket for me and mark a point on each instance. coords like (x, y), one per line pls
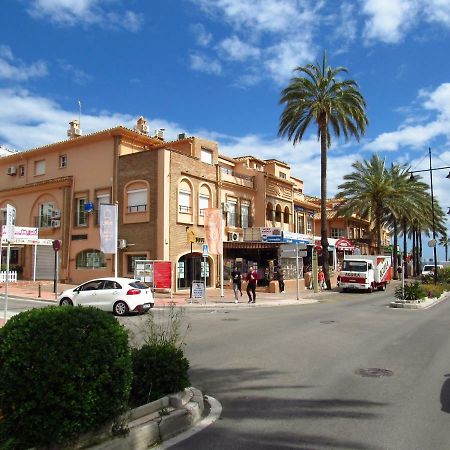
(252, 280)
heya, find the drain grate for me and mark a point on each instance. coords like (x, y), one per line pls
(327, 322)
(374, 372)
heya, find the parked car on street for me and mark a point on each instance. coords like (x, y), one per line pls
(119, 295)
(428, 269)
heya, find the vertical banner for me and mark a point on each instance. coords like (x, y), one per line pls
(108, 233)
(213, 230)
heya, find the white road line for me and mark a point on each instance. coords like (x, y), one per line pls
(214, 414)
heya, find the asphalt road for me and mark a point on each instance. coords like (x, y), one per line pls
(293, 377)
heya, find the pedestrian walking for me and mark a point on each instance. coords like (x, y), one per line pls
(252, 280)
(280, 278)
(321, 279)
(237, 278)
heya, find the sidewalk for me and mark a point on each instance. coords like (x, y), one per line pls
(43, 290)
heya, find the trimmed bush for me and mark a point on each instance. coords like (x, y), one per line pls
(158, 370)
(433, 290)
(413, 291)
(63, 372)
(444, 275)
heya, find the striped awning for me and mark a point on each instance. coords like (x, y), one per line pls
(251, 245)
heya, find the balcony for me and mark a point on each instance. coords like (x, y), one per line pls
(44, 221)
(236, 178)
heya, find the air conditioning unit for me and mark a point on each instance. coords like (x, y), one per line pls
(77, 132)
(56, 214)
(122, 243)
(12, 170)
(55, 223)
(225, 207)
(233, 237)
(160, 133)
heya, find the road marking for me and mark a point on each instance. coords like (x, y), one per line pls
(214, 414)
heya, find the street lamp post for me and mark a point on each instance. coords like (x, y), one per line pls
(431, 169)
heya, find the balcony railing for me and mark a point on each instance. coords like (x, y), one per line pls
(184, 209)
(136, 208)
(231, 172)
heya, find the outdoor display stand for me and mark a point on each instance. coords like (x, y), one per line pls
(158, 274)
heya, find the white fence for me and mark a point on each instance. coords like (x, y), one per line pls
(12, 278)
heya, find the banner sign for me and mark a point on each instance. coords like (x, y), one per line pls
(22, 233)
(213, 230)
(108, 237)
(162, 274)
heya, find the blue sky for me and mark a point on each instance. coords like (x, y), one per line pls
(215, 68)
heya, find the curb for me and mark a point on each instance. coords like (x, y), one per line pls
(399, 304)
(158, 421)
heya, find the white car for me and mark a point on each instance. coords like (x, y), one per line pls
(119, 295)
(428, 269)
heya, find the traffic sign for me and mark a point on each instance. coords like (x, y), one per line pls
(205, 250)
(10, 222)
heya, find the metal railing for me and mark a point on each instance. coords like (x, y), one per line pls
(137, 208)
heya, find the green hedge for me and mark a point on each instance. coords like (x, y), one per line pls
(63, 371)
(158, 370)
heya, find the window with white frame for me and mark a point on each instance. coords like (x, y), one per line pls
(203, 203)
(62, 161)
(231, 214)
(245, 212)
(45, 215)
(309, 224)
(81, 216)
(39, 167)
(184, 198)
(101, 199)
(206, 156)
(137, 200)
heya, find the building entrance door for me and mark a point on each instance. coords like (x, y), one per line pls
(191, 267)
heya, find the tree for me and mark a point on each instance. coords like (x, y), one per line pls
(317, 96)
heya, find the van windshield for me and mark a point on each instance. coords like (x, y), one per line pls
(354, 266)
(427, 268)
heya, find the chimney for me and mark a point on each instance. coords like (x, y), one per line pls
(74, 130)
(141, 126)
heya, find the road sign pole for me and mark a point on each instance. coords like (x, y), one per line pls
(8, 253)
(296, 263)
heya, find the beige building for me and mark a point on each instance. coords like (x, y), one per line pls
(162, 189)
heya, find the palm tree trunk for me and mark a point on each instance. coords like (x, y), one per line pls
(323, 199)
(420, 250)
(405, 265)
(378, 214)
(395, 252)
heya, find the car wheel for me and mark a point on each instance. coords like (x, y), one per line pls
(152, 305)
(120, 308)
(382, 287)
(65, 302)
(370, 290)
(344, 290)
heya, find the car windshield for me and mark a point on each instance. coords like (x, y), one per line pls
(354, 266)
(427, 268)
(138, 285)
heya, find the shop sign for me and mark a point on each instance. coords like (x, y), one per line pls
(343, 244)
(198, 289)
(23, 233)
(289, 236)
(269, 234)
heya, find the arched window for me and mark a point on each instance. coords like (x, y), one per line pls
(286, 215)
(185, 197)
(90, 259)
(278, 214)
(136, 197)
(269, 211)
(204, 199)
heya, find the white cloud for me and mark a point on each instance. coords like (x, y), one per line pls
(237, 50)
(270, 36)
(78, 76)
(85, 12)
(30, 120)
(202, 36)
(204, 64)
(14, 69)
(388, 19)
(420, 135)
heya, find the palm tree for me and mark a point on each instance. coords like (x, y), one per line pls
(317, 96)
(444, 242)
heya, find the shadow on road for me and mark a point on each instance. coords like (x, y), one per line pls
(445, 394)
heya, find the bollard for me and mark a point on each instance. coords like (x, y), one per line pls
(39, 290)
